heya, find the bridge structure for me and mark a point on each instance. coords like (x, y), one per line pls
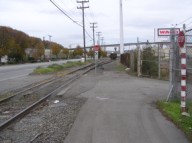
(117, 46)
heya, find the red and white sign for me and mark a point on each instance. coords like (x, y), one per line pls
(167, 31)
(96, 48)
(181, 43)
(181, 39)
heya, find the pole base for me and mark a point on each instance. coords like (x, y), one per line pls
(185, 114)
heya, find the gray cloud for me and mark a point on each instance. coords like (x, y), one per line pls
(41, 17)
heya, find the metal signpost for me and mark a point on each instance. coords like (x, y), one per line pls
(96, 55)
(181, 43)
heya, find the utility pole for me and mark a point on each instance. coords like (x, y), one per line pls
(159, 61)
(50, 45)
(98, 34)
(102, 41)
(83, 7)
(93, 27)
(121, 29)
(138, 59)
(44, 47)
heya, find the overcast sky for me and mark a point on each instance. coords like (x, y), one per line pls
(41, 18)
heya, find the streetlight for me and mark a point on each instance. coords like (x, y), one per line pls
(121, 28)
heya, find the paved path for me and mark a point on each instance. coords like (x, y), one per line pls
(120, 109)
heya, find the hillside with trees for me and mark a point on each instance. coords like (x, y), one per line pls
(20, 47)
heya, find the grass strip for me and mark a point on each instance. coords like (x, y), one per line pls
(120, 67)
(56, 67)
(172, 111)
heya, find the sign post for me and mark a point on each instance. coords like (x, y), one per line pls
(96, 54)
(181, 43)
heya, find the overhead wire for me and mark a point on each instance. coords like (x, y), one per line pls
(91, 14)
(69, 9)
(67, 15)
(182, 22)
(54, 3)
(189, 23)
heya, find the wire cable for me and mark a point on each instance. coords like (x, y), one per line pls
(184, 21)
(54, 3)
(65, 13)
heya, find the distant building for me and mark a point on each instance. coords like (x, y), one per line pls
(4, 59)
(47, 53)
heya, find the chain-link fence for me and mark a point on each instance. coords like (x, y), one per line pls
(189, 62)
(176, 66)
(154, 59)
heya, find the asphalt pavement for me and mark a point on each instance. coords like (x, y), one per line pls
(120, 109)
(16, 76)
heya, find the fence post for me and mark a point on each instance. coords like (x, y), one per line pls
(159, 62)
(138, 59)
(132, 66)
(172, 40)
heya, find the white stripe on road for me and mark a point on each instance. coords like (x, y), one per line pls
(102, 98)
(14, 77)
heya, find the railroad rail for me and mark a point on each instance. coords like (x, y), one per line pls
(74, 75)
(32, 86)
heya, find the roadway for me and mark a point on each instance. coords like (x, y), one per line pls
(13, 76)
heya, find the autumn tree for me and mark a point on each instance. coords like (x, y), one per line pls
(14, 52)
(103, 53)
(3, 41)
(55, 49)
(78, 51)
(65, 51)
(90, 53)
(40, 50)
(37, 47)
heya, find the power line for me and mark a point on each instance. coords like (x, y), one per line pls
(184, 21)
(69, 9)
(65, 13)
(189, 23)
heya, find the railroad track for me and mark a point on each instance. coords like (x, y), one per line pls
(21, 103)
(11, 94)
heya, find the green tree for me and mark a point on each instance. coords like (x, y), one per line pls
(149, 65)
